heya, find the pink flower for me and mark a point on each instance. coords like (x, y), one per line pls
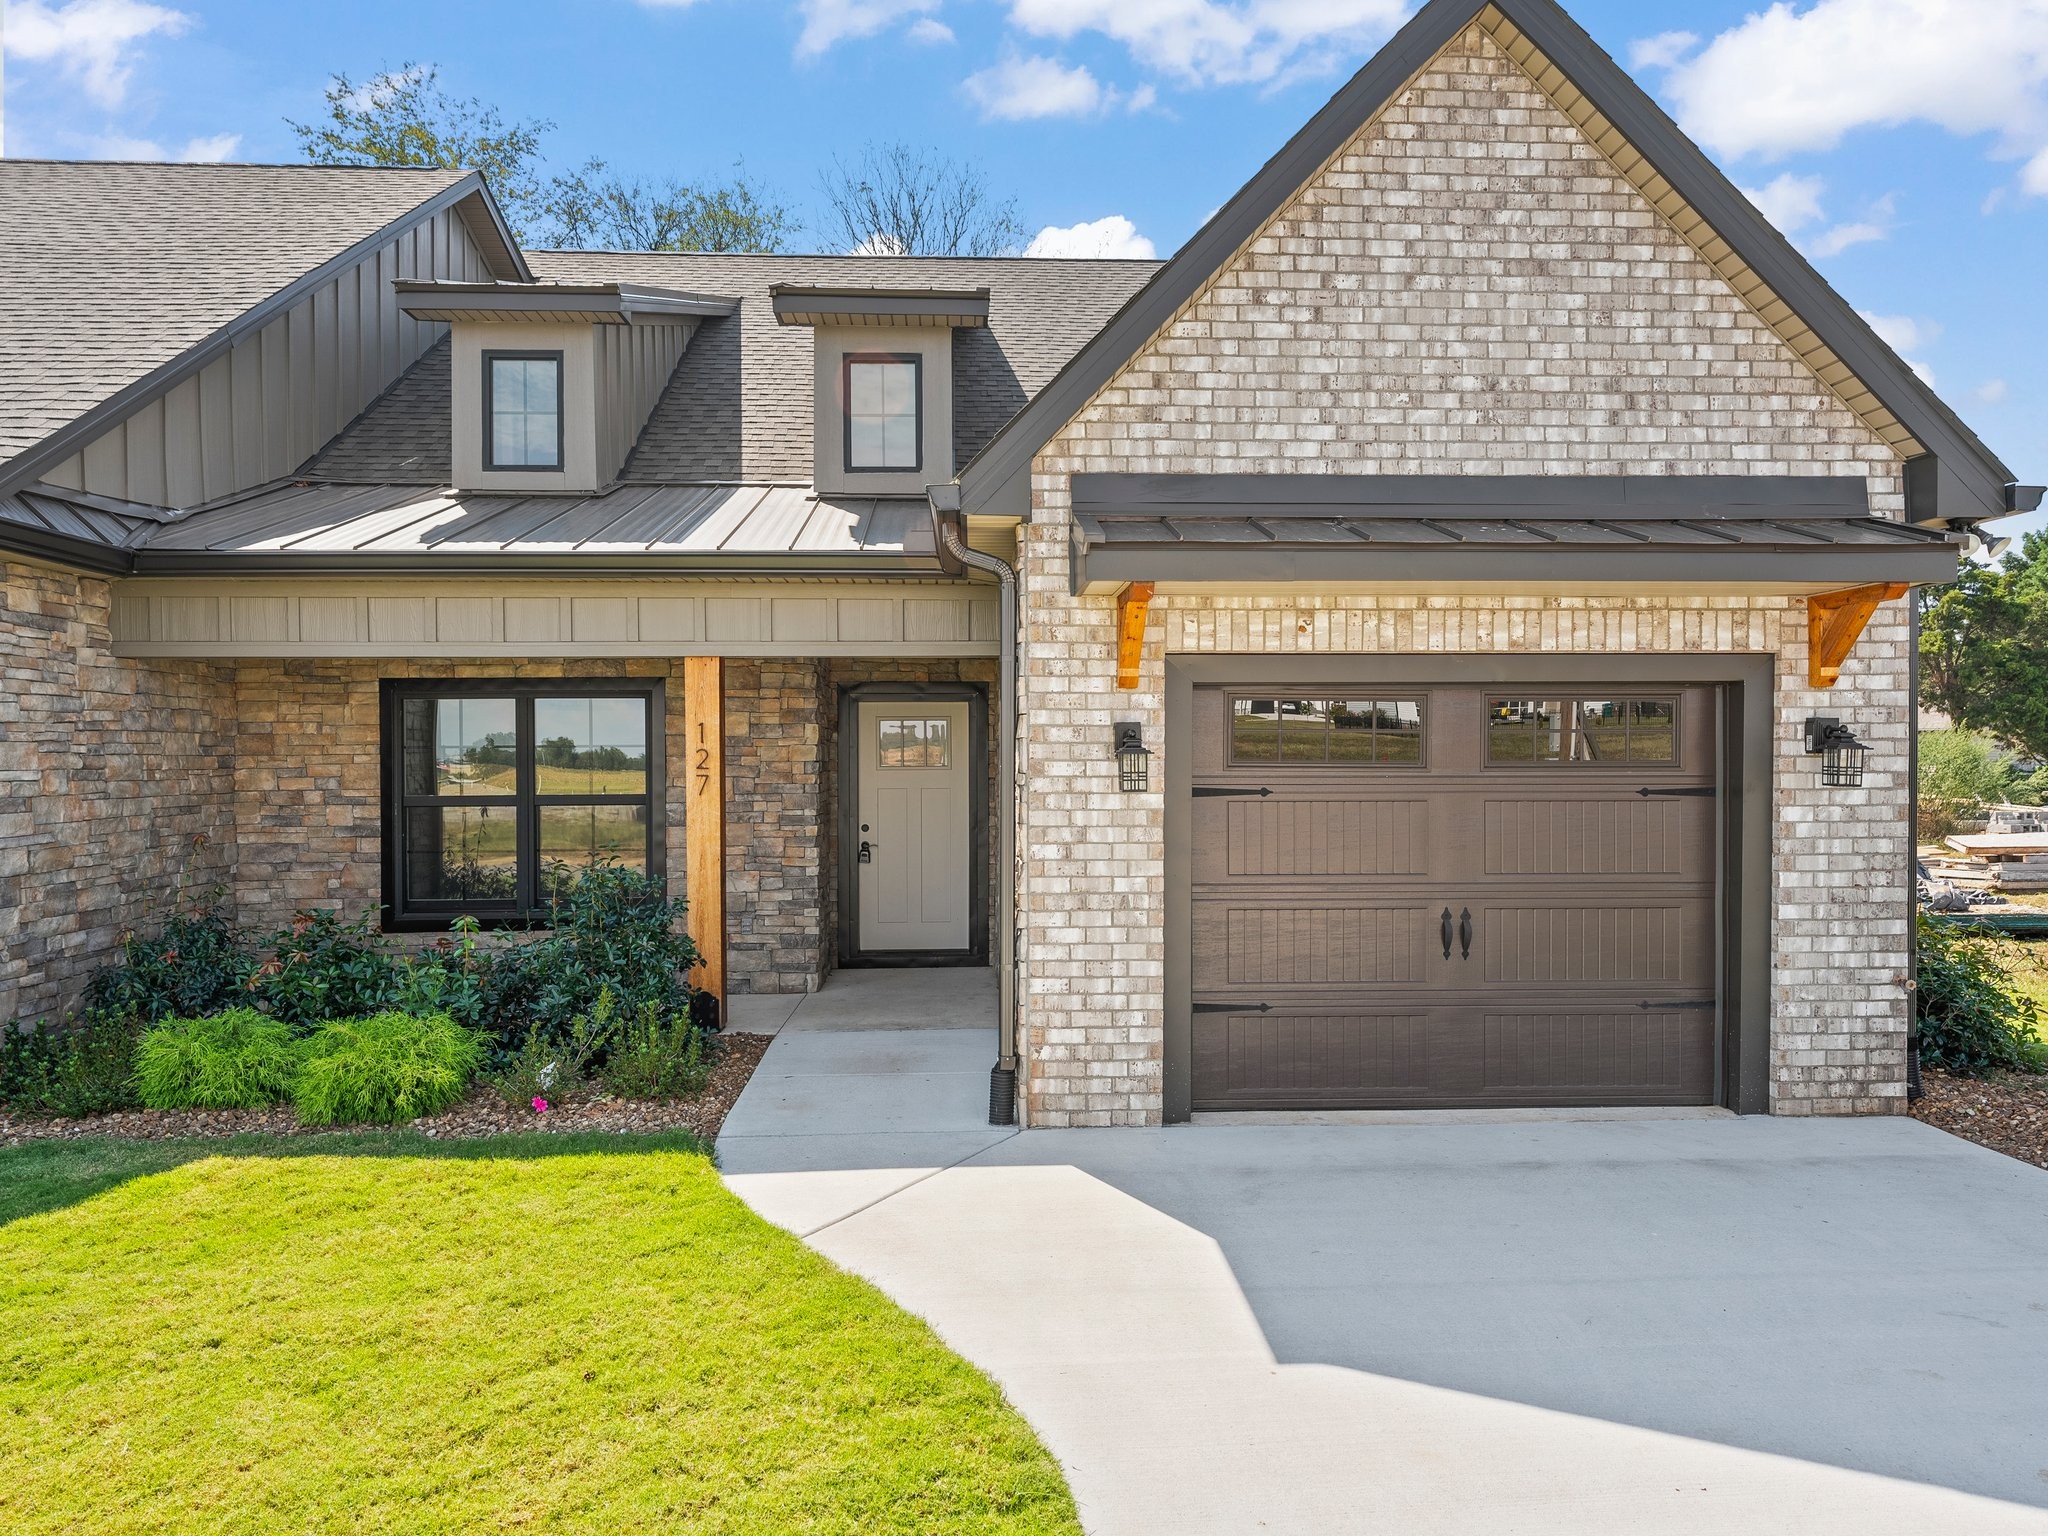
(540, 1106)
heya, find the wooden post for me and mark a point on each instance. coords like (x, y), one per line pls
(704, 817)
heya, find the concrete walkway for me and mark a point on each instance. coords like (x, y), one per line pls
(1569, 1326)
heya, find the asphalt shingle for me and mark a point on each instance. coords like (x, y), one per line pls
(109, 270)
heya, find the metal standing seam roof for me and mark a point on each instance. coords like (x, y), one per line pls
(112, 270)
(661, 521)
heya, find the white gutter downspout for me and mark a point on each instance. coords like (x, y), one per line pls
(954, 550)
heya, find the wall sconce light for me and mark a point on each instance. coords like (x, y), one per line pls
(1133, 761)
(1841, 754)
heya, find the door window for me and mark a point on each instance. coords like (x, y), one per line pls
(914, 742)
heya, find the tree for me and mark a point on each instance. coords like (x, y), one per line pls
(896, 200)
(403, 117)
(1984, 649)
(594, 207)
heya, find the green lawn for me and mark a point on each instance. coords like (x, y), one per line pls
(384, 1333)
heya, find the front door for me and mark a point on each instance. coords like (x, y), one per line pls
(911, 844)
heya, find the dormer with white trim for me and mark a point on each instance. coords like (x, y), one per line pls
(550, 383)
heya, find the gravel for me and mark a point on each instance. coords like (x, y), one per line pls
(2007, 1113)
(481, 1112)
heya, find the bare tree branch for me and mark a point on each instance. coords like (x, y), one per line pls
(897, 200)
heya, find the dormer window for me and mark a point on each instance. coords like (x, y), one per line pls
(884, 411)
(523, 410)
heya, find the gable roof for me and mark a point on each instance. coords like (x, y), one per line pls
(1956, 475)
(120, 277)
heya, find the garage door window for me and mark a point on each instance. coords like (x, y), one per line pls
(1305, 732)
(1589, 731)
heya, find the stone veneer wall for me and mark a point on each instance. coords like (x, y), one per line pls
(777, 872)
(114, 785)
(1468, 288)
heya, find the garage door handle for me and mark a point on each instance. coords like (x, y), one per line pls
(1446, 931)
(1465, 934)
(1703, 791)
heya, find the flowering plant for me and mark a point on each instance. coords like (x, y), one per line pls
(540, 1105)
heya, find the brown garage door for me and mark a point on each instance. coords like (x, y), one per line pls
(1433, 897)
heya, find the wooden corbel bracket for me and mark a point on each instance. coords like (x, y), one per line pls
(1834, 622)
(1132, 604)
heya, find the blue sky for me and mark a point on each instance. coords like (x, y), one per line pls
(1902, 143)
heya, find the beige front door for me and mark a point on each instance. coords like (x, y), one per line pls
(911, 842)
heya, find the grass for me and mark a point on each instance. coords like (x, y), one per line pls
(383, 1333)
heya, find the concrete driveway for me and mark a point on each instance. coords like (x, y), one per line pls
(1584, 1326)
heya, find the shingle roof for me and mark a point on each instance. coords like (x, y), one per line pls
(110, 270)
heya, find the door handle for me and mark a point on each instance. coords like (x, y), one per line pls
(1446, 931)
(1464, 934)
(866, 852)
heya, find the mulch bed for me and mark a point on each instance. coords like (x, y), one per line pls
(481, 1113)
(2007, 1113)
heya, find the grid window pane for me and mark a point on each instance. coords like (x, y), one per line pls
(590, 746)
(1304, 731)
(914, 743)
(1653, 731)
(465, 853)
(466, 747)
(881, 415)
(525, 412)
(574, 837)
(1593, 731)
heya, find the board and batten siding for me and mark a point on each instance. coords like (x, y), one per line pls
(185, 618)
(632, 368)
(279, 395)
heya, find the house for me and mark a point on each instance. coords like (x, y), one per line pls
(1440, 639)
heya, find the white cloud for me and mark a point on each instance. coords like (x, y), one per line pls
(1790, 202)
(1210, 42)
(1020, 89)
(1784, 80)
(1832, 242)
(92, 41)
(1143, 99)
(1661, 51)
(1990, 392)
(212, 149)
(1905, 336)
(928, 29)
(1110, 236)
(2034, 179)
(828, 22)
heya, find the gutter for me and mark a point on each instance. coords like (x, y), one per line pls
(950, 537)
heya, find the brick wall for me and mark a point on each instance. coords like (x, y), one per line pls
(1468, 288)
(114, 785)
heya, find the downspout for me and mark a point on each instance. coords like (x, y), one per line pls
(956, 555)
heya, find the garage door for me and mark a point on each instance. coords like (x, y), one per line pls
(1438, 897)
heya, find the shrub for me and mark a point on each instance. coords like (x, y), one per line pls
(1963, 767)
(452, 978)
(1972, 1019)
(324, 968)
(656, 1058)
(550, 1064)
(80, 1067)
(384, 1069)
(237, 1059)
(610, 930)
(191, 967)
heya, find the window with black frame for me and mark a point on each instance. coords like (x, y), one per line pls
(497, 793)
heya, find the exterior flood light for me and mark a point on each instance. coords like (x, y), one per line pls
(1841, 754)
(1133, 761)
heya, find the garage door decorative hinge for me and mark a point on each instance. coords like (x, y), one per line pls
(1206, 791)
(1232, 1008)
(1699, 1003)
(1703, 791)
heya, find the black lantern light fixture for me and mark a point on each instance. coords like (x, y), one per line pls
(1841, 754)
(1133, 761)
